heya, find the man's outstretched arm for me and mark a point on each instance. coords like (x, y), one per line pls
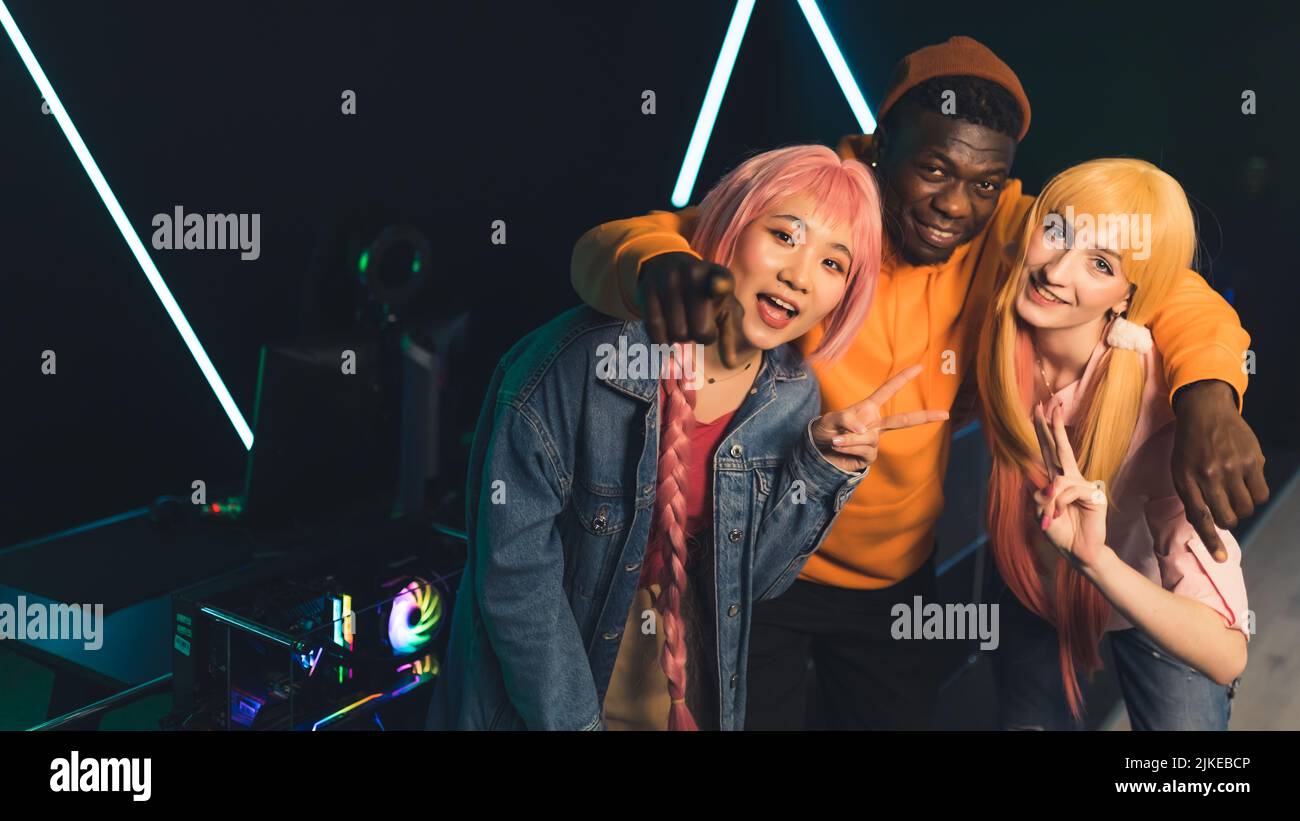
(1217, 464)
(644, 268)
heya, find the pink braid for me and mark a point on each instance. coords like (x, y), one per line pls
(666, 556)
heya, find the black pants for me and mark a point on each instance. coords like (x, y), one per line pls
(861, 677)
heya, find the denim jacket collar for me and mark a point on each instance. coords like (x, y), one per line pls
(781, 364)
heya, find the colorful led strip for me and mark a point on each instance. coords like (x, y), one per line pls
(348, 628)
(419, 679)
(340, 713)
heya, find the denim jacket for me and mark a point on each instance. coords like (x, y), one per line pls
(561, 493)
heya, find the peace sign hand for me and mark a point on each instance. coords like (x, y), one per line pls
(1071, 510)
(850, 438)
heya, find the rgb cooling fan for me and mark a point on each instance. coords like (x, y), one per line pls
(415, 617)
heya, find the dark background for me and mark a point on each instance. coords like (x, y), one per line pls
(529, 113)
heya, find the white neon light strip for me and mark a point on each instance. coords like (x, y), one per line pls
(712, 102)
(722, 75)
(848, 85)
(124, 226)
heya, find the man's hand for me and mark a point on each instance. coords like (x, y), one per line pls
(1217, 465)
(685, 299)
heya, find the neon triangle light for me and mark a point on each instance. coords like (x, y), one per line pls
(124, 226)
(722, 75)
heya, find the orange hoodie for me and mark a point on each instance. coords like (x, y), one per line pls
(920, 314)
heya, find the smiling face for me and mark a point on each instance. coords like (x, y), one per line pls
(1067, 284)
(791, 270)
(940, 179)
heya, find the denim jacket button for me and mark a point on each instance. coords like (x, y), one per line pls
(598, 523)
(736, 450)
(733, 610)
(734, 679)
(630, 567)
(611, 635)
(735, 535)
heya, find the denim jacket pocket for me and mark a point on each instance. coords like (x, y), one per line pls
(601, 514)
(599, 524)
(767, 479)
(764, 481)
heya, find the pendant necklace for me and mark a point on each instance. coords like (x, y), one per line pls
(712, 380)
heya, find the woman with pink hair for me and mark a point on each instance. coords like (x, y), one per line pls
(628, 505)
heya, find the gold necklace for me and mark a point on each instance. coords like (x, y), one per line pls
(737, 373)
(1042, 370)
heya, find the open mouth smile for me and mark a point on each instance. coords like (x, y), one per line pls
(1039, 293)
(775, 311)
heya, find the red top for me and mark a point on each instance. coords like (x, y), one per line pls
(699, 479)
(704, 438)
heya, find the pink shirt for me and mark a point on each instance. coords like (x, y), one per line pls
(1146, 524)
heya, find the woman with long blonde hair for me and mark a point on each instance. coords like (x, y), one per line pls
(1086, 527)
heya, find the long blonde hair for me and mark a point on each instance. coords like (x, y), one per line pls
(1005, 370)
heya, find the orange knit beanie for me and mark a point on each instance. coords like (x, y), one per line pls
(958, 56)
